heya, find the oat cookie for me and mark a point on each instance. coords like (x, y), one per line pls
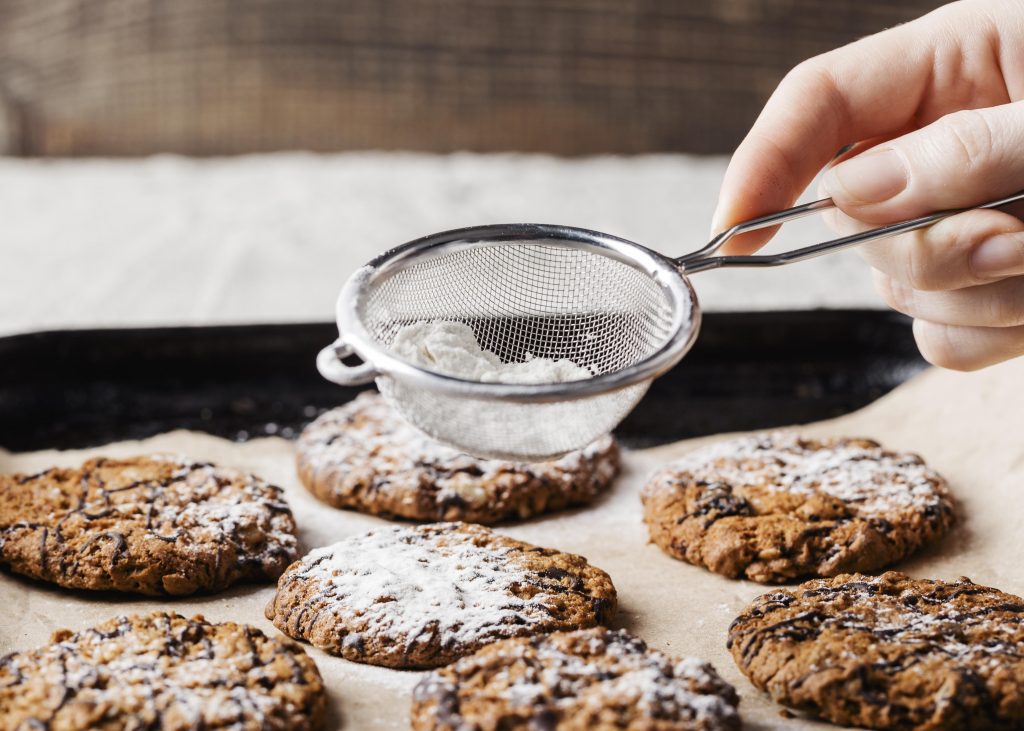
(422, 596)
(775, 507)
(161, 671)
(889, 652)
(589, 680)
(150, 525)
(364, 456)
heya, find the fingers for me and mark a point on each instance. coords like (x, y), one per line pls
(967, 348)
(1000, 304)
(974, 248)
(957, 57)
(963, 159)
(963, 282)
(867, 89)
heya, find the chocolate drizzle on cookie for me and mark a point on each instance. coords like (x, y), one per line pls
(594, 678)
(363, 456)
(889, 652)
(152, 525)
(423, 596)
(775, 507)
(161, 671)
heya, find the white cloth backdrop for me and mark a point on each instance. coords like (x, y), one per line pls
(270, 238)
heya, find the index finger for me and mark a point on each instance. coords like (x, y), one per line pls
(869, 88)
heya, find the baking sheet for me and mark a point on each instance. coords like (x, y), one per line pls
(968, 426)
(258, 380)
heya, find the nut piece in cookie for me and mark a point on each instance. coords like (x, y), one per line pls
(363, 456)
(148, 525)
(422, 596)
(162, 670)
(889, 652)
(776, 507)
(575, 681)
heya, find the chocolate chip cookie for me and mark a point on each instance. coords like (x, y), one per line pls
(149, 525)
(776, 507)
(422, 596)
(889, 652)
(161, 671)
(363, 456)
(575, 681)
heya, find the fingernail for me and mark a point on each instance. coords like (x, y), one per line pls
(999, 256)
(871, 177)
(716, 221)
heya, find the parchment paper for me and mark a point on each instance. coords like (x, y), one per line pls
(968, 426)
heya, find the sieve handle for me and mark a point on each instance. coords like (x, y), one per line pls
(703, 259)
(328, 362)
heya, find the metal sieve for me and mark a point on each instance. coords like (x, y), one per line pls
(528, 290)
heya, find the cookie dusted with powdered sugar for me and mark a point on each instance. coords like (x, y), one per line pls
(363, 456)
(420, 597)
(889, 652)
(149, 525)
(593, 679)
(775, 507)
(161, 671)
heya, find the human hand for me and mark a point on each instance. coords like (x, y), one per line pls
(932, 110)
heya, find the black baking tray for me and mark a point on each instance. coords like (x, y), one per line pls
(79, 388)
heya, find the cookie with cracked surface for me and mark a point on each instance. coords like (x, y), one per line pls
(423, 596)
(889, 652)
(363, 456)
(575, 681)
(149, 525)
(777, 507)
(161, 670)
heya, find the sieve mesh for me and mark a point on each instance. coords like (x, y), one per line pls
(625, 312)
(530, 299)
(522, 300)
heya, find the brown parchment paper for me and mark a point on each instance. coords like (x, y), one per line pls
(968, 426)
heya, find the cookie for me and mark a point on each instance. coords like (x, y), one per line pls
(776, 507)
(592, 679)
(363, 456)
(149, 525)
(161, 671)
(889, 652)
(422, 596)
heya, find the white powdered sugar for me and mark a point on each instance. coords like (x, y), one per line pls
(211, 505)
(455, 583)
(451, 348)
(960, 631)
(902, 625)
(162, 670)
(656, 694)
(367, 436)
(219, 524)
(587, 674)
(868, 479)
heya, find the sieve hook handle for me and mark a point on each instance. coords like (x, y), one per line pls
(704, 258)
(328, 362)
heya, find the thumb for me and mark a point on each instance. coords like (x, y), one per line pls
(963, 159)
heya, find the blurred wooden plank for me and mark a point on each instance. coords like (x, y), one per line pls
(203, 77)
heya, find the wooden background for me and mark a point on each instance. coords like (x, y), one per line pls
(205, 77)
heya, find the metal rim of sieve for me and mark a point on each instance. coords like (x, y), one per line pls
(379, 361)
(670, 274)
